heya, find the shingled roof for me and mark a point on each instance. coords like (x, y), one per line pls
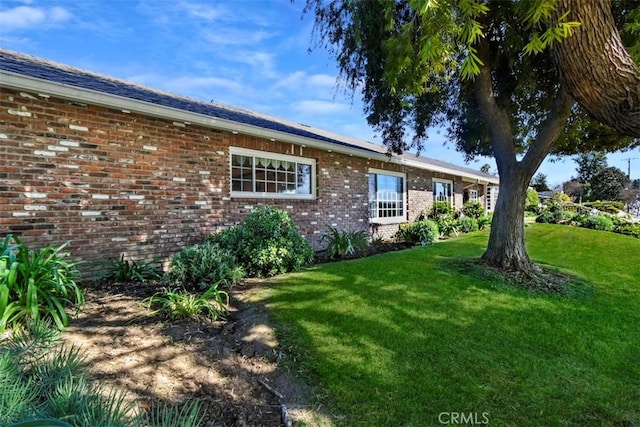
(18, 64)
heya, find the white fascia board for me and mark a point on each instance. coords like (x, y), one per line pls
(73, 93)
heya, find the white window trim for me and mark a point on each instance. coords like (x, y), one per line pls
(444, 181)
(274, 156)
(475, 199)
(392, 219)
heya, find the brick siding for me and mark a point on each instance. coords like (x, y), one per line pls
(115, 182)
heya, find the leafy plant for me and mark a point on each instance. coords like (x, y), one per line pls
(420, 232)
(182, 304)
(266, 243)
(345, 243)
(598, 222)
(123, 270)
(473, 210)
(199, 266)
(440, 208)
(447, 225)
(485, 221)
(468, 224)
(36, 283)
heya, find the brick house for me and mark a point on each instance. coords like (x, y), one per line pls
(118, 168)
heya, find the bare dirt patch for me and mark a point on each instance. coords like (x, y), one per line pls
(232, 367)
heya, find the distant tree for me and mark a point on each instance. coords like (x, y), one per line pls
(539, 182)
(636, 184)
(590, 164)
(574, 189)
(609, 184)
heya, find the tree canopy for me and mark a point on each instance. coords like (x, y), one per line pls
(488, 72)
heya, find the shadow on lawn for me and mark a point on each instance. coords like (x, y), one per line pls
(400, 347)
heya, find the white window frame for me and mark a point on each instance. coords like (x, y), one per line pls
(272, 156)
(442, 181)
(390, 219)
(473, 195)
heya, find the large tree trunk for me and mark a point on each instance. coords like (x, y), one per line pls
(506, 249)
(596, 68)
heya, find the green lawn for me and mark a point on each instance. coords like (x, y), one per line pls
(401, 338)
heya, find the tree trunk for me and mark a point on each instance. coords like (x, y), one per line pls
(506, 249)
(596, 68)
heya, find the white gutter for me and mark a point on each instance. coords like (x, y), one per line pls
(20, 82)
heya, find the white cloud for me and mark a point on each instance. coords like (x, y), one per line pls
(207, 12)
(312, 107)
(23, 17)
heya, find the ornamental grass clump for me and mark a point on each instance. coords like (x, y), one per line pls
(45, 384)
(343, 244)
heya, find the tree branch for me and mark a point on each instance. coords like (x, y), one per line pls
(501, 134)
(596, 68)
(549, 132)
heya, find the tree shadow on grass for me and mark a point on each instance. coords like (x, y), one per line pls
(391, 351)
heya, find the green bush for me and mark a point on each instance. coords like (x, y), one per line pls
(467, 224)
(546, 217)
(447, 225)
(45, 384)
(611, 207)
(629, 229)
(342, 244)
(200, 266)
(555, 216)
(439, 209)
(36, 284)
(420, 232)
(473, 210)
(485, 221)
(532, 200)
(598, 222)
(266, 243)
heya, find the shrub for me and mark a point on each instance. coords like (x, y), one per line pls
(439, 209)
(598, 222)
(611, 207)
(123, 270)
(628, 229)
(420, 232)
(447, 225)
(267, 243)
(200, 266)
(182, 304)
(345, 243)
(546, 217)
(485, 221)
(36, 284)
(555, 216)
(473, 210)
(468, 224)
(45, 384)
(532, 200)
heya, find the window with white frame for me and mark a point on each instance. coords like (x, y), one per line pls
(442, 190)
(387, 197)
(473, 196)
(271, 175)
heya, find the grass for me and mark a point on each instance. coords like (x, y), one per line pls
(401, 338)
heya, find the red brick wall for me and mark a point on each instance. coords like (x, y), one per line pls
(117, 183)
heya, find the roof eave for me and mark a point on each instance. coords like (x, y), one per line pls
(41, 86)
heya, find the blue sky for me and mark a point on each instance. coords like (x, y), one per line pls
(252, 54)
